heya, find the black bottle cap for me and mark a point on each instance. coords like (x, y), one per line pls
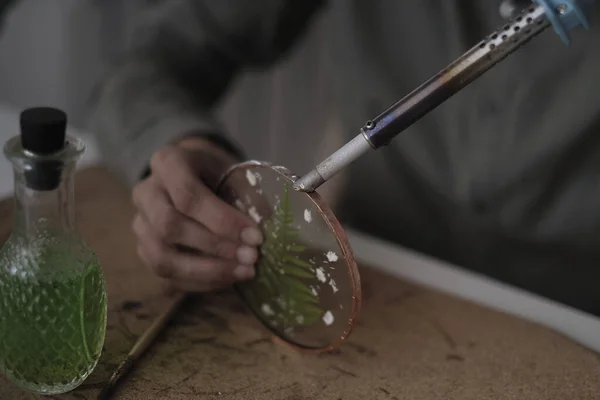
(43, 133)
(43, 130)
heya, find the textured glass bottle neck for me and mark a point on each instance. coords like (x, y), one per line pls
(40, 212)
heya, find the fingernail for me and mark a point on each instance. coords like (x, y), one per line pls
(246, 255)
(251, 236)
(243, 272)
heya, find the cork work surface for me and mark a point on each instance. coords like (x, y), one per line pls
(411, 342)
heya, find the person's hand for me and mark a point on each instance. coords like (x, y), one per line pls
(184, 232)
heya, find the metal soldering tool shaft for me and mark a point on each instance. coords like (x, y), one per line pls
(471, 65)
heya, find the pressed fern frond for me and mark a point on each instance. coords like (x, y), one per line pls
(280, 290)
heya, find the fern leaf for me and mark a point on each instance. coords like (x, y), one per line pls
(294, 260)
(297, 248)
(282, 275)
(298, 272)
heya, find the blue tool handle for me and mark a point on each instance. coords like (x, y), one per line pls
(566, 15)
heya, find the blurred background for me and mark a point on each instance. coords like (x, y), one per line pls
(52, 52)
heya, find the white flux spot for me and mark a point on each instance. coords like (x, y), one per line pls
(321, 275)
(254, 214)
(331, 256)
(300, 319)
(251, 177)
(267, 310)
(314, 291)
(239, 204)
(328, 318)
(307, 216)
(333, 285)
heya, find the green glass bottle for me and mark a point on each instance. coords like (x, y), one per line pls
(52, 289)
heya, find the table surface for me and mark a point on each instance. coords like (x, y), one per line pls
(411, 341)
(397, 261)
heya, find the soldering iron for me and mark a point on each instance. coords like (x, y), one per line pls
(562, 15)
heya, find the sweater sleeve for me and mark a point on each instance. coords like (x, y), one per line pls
(183, 57)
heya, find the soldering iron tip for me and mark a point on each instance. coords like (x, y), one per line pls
(299, 187)
(309, 182)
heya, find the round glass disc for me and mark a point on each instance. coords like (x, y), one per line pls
(307, 288)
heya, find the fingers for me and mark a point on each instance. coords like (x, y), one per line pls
(173, 228)
(185, 233)
(192, 198)
(204, 271)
